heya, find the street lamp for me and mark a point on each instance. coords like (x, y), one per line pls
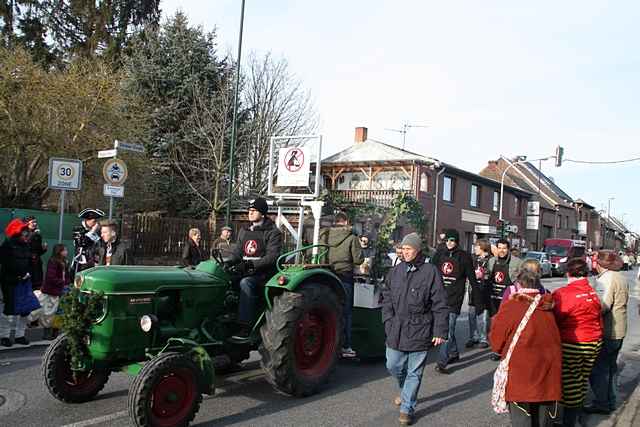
(519, 160)
(232, 146)
(609, 207)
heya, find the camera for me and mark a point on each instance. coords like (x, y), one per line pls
(80, 238)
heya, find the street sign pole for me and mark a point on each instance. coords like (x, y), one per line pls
(61, 223)
(110, 207)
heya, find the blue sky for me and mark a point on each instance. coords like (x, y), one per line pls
(488, 78)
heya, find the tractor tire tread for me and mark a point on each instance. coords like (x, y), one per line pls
(56, 349)
(142, 386)
(276, 359)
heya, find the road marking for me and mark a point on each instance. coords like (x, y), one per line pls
(99, 420)
(229, 383)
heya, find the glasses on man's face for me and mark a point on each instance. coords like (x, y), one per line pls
(451, 240)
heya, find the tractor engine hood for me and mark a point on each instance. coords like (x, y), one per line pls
(148, 279)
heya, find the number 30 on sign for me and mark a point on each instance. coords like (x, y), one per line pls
(65, 174)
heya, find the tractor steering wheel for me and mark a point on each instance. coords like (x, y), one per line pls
(216, 254)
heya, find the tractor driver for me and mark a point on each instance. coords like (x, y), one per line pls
(259, 246)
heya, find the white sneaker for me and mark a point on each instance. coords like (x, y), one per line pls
(348, 353)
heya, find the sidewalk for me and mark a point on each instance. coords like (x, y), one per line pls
(628, 413)
(33, 335)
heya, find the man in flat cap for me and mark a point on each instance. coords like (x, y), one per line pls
(223, 243)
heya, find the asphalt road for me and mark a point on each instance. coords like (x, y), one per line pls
(359, 394)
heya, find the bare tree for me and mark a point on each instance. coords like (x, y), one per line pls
(202, 158)
(276, 104)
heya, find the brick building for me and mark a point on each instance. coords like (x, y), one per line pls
(559, 215)
(372, 171)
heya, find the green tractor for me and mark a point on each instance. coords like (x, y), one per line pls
(171, 328)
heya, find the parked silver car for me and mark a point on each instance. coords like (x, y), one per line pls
(543, 259)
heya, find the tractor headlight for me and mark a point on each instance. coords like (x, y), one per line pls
(102, 307)
(77, 282)
(147, 322)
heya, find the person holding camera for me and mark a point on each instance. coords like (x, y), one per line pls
(112, 251)
(86, 239)
(258, 249)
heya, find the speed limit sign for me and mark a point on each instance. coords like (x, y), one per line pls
(65, 174)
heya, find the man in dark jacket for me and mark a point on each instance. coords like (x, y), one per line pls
(257, 251)
(112, 251)
(15, 267)
(344, 254)
(456, 267)
(223, 243)
(38, 248)
(415, 317)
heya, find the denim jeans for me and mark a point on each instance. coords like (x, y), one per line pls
(603, 375)
(478, 325)
(407, 369)
(249, 295)
(450, 347)
(347, 311)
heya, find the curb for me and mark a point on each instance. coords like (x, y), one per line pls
(624, 418)
(35, 338)
(32, 344)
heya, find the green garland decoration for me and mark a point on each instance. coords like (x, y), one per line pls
(403, 205)
(79, 309)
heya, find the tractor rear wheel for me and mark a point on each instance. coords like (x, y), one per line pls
(301, 339)
(60, 379)
(165, 393)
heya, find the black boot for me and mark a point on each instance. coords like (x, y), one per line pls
(6, 342)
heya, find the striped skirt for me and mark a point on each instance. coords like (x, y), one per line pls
(577, 362)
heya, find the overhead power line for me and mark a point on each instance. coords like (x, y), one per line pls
(611, 162)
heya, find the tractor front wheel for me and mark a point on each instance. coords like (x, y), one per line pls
(301, 339)
(63, 383)
(165, 393)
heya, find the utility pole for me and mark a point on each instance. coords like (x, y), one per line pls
(234, 125)
(608, 221)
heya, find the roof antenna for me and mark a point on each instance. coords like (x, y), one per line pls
(405, 128)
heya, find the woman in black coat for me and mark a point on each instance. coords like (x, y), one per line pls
(192, 253)
(15, 266)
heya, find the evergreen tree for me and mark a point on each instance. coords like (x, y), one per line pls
(58, 30)
(171, 71)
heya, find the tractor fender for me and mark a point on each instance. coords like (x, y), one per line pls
(296, 277)
(206, 379)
